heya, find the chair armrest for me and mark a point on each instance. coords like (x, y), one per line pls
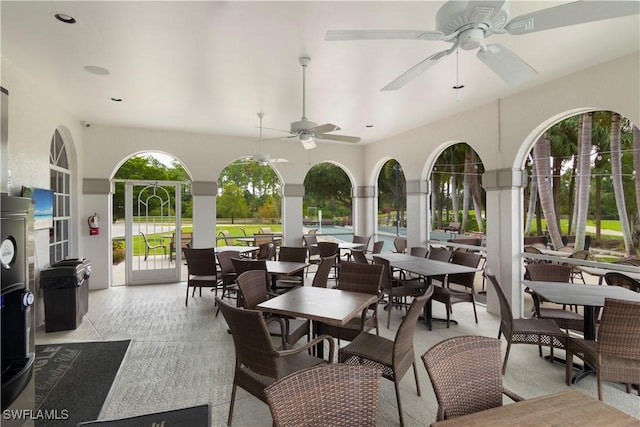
(511, 395)
(284, 328)
(310, 344)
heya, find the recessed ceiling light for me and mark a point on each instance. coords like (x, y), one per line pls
(64, 18)
(116, 99)
(98, 71)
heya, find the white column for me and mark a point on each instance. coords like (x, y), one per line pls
(504, 235)
(292, 195)
(364, 210)
(417, 192)
(204, 213)
(96, 195)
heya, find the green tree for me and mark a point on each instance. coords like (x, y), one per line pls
(269, 209)
(328, 187)
(231, 203)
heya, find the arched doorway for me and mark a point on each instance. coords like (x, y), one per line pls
(152, 219)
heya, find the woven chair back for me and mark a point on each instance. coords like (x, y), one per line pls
(440, 254)
(253, 285)
(469, 260)
(326, 249)
(251, 339)
(365, 278)
(461, 384)
(201, 262)
(322, 273)
(620, 279)
(329, 396)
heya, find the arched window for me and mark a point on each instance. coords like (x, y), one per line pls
(60, 184)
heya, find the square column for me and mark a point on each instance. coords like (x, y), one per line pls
(364, 211)
(96, 198)
(504, 235)
(204, 213)
(417, 193)
(292, 195)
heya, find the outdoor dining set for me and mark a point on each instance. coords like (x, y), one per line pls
(288, 333)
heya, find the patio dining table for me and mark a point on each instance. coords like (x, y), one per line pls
(590, 297)
(427, 268)
(601, 272)
(283, 268)
(320, 305)
(567, 408)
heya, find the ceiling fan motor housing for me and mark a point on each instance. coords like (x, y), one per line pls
(302, 126)
(455, 16)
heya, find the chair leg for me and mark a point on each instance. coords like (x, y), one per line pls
(396, 385)
(415, 374)
(233, 400)
(186, 302)
(506, 358)
(447, 307)
(600, 396)
(389, 313)
(569, 366)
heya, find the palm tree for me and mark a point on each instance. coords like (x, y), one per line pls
(533, 198)
(584, 180)
(618, 190)
(541, 158)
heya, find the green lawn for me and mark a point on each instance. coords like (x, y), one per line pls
(235, 230)
(609, 224)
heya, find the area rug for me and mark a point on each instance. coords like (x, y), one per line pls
(73, 380)
(196, 416)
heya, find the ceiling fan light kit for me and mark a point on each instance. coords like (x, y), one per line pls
(466, 24)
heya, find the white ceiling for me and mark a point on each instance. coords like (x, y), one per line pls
(211, 66)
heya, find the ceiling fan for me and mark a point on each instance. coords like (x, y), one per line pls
(263, 158)
(307, 131)
(466, 24)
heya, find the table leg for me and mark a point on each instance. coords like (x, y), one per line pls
(589, 334)
(317, 330)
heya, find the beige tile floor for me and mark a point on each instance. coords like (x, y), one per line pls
(183, 356)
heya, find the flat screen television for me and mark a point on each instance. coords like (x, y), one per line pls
(43, 206)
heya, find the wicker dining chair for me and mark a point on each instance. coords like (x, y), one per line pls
(313, 252)
(322, 273)
(395, 289)
(448, 295)
(258, 362)
(253, 285)
(242, 265)
(395, 357)
(461, 384)
(292, 254)
(540, 332)
(359, 256)
(328, 396)
(620, 279)
(419, 251)
(228, 273)
(267, 251)
(377, 247)
(201, 271)
(365, 278)
(400, 245)
(615, 355)
(576, 273)
(440, 254)
(327, 249)
(547, 272)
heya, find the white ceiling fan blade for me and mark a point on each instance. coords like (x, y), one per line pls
(483, 11)
(506, 64)
(416, 70)
(327, 127)
(279, 160)
(341, 138)
(564, 15)
(338, 35)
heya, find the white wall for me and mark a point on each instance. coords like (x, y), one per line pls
(499, 131)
